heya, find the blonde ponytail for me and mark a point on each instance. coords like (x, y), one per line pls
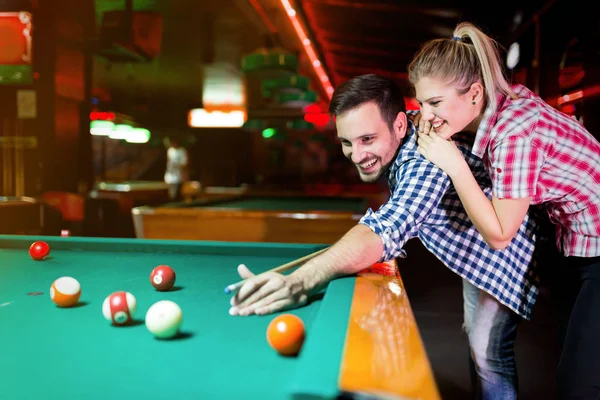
(470, 56)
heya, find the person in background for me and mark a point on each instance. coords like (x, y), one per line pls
(499, 286)
(176, 173)
(535, 155)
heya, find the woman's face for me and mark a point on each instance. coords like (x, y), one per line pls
(446, 109)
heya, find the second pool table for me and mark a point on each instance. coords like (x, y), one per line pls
(252, 218)
(132, 193)
(362, 340)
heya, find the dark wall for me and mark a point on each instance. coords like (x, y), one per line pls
(61, 59)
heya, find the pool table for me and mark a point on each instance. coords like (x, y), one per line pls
(376, 193)
(113, 201)
(132, 193)
(361, 335)
(252, 218)
(20, 215)
(28, 216)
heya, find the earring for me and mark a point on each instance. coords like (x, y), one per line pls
(473, 103)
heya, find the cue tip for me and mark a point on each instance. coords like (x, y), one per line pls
(233, 287)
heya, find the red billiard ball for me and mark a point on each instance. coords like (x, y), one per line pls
(162, 277)
(119, 308)
(286, 334)
(39, 250)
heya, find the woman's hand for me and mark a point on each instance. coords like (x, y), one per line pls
(422, 126)
(441, 152)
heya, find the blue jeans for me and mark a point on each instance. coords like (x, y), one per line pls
(492, 329)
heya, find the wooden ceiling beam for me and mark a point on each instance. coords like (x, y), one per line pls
(387, 7)
(394, 52)
(336, 36)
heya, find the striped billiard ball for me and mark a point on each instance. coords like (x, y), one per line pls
(119, 308)
(65, 291)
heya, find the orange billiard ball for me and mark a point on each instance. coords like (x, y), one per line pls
(39, 250)
(162, 277)
(65, 291)
(286, 334)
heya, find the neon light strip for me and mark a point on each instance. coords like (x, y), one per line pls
(263, 16)
(312, 55)
(591, 91)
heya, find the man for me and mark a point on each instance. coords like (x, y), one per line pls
(379, 139)
(177, 168)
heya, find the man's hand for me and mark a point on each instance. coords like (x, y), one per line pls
(266, 293)
(269, 292)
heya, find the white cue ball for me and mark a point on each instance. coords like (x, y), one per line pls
(164, 318)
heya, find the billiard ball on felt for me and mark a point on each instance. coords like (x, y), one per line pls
(164, 319)
(162, 277)
(119, 307)
(286, 334)
(65, 291)
(39, 250)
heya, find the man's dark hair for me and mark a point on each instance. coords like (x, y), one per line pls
(366, 88)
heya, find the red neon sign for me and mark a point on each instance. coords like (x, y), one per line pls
(15, 38)
(102, 116)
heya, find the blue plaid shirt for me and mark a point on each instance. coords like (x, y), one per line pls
(424, 203)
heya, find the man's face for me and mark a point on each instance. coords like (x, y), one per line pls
(367, 140)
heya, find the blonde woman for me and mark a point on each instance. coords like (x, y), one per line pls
(535, 155)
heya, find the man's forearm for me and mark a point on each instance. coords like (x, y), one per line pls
(356, 250)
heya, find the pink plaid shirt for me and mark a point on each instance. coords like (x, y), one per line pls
(530, 149)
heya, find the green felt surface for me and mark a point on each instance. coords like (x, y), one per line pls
(304, 204)
(53, 353)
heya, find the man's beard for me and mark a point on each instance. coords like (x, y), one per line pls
(374, 177)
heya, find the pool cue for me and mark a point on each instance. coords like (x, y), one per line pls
(282, 268)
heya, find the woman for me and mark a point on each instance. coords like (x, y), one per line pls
(535, 155)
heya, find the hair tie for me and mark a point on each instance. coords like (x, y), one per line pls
(456, 39)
